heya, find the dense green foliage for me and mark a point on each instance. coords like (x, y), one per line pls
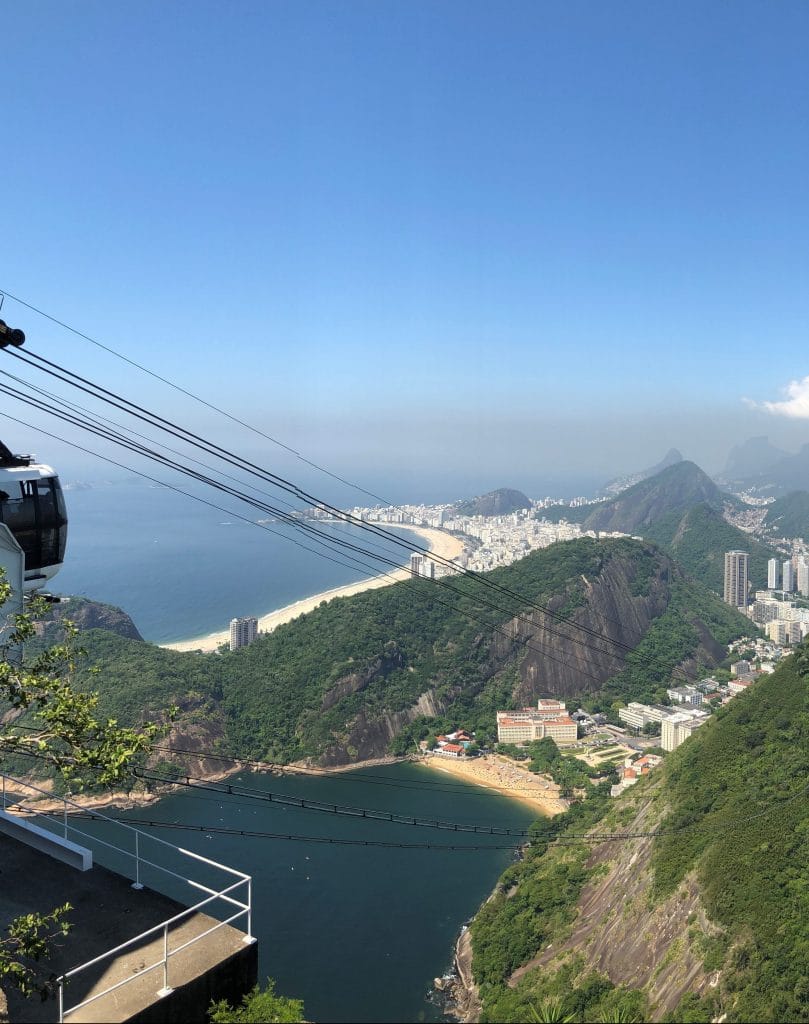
(569, 773)
(672, 638)
(314, 685)
(789, 516)
(743, 783)
(699, 538)
(735, 818)
(568, 994)
(533, 905)
(260, 1006)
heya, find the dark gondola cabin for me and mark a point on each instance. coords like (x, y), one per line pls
(32, 506)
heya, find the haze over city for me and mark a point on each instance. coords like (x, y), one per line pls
(447, 246)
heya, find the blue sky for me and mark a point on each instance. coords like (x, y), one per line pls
(507, 239)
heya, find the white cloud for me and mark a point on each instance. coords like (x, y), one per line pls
(795, 405)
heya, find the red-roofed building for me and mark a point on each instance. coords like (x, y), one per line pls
(451, 750)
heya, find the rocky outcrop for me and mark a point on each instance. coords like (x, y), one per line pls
(391, 660)
(86, 614)
(636, 941)
(369, 735)
(561, 661)
(496, 503)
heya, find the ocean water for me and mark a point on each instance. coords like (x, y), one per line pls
(359, 933)
(182, 569)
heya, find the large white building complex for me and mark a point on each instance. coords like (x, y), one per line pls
(549, 718)
(676, 725)
(243, 632)
(736, 574)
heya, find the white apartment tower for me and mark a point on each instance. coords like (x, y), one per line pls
(736, 570)
(415, 564)
(803, 577)
(788, 584)
(772, 574)
(243, 632)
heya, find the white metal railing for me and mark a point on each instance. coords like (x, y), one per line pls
(12, 802)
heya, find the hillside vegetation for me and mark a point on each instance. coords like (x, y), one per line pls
(705, 922)
(699, 538)
(362, 676)
(680, 509)
(789, 516)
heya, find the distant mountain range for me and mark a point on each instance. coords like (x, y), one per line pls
(758, 466)
(621, 483)
(682, 510)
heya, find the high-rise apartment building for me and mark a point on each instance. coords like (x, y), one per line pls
(415, 564)
(788, 579)
(773, 575)
(736, 570)
(803, 577)
(243, 632)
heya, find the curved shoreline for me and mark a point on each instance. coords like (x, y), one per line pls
(443, 544)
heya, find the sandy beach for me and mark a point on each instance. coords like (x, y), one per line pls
(505, 776)
(440, 543)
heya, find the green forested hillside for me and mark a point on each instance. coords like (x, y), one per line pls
(789, 516)
(343, 682)
(699, 538)
(732, 804)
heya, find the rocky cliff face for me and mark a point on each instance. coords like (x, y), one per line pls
(553, 658)
(636, 941)
(87, 614)
(572, 662)
(369, 735)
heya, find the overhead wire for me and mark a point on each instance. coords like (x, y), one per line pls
(552, 834)
(209, 405)
(217, 451)
(521, 641)
(318, 536)
(308, 527)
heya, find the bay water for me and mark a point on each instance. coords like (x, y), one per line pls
(357, 932)
(182, 569)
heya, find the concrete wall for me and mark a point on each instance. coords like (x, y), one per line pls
(188, 1004)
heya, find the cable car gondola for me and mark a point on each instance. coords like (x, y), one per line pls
(32, 506)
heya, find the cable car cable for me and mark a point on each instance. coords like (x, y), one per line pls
(512, 637)
(190, 437)
(317, 535)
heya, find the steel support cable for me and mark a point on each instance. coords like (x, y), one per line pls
(523, 642)
(227, 415)
(416, 785)
(372, 814)
(213, 449)
(324, 540)
(289, 771)
(202, 401)
(179, 490)
(100, 420)
(317, 535)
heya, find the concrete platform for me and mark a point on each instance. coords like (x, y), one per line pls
(107, 912)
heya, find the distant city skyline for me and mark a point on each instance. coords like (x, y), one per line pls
(489, 244)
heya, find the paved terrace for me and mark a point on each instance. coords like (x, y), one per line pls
(107, 911)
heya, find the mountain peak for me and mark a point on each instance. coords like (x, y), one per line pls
(496, 503)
